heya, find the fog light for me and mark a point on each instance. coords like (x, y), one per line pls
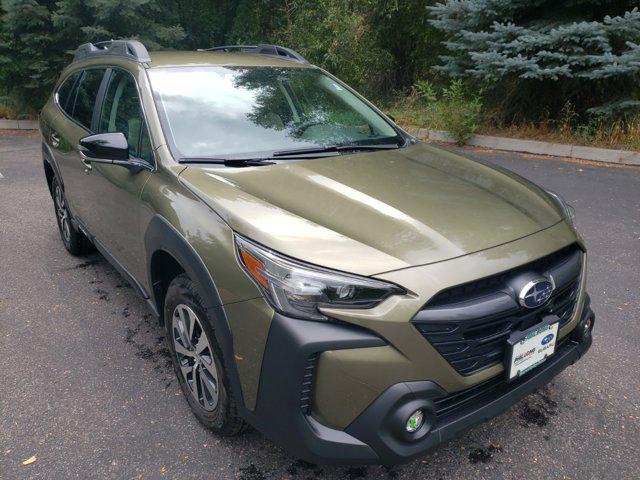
(415, 421)
(584, 329)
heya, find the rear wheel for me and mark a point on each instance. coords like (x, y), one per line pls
(197, 359)
(73, 239)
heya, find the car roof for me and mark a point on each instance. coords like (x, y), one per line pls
(206, 58)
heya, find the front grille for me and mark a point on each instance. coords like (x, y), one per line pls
(469, 324)
(454, 403)
(306, 392)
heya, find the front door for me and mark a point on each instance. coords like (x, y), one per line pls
(115, 190)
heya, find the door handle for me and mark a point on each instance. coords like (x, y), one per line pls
(55, 139)
(86, 161)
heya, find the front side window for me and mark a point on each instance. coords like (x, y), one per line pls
(86, 96)
(240, 111)
(121, 112)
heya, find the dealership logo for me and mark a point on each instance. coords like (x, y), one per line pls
(547, 339)
(523, 356)
(536, 292)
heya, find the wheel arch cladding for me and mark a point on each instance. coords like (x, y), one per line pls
(48, 173)
(50, 167)
(164, 242)
(163, 268)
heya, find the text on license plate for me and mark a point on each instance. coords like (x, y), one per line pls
(533, 349)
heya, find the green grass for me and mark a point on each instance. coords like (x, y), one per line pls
(415, 111)
(6, 111)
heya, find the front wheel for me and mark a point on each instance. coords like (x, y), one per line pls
(197, 359)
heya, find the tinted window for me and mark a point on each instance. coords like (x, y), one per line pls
(121, 112)
(86, 96)
(65, 91)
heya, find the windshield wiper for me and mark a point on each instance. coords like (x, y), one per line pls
(334, 148)
(229, 162)
(311, 152)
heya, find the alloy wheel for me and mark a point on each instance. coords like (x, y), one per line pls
(63, 214)
(195, 357)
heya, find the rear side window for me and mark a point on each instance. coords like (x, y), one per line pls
(86, 96)
(67, 91)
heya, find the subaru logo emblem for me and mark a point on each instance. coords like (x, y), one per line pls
(547, 339)
(536, 292)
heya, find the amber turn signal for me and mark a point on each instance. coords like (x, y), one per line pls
(254, 266)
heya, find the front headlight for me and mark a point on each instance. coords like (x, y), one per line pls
(296, 289)
(567, 209)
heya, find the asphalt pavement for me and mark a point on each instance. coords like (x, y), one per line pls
(86, 385)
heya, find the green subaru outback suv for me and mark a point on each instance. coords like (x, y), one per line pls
(355, 294)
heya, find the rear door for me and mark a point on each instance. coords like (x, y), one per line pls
(76, 99)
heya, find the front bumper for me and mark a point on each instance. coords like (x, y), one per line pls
(377, 434)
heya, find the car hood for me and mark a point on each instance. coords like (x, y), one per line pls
(378, 211)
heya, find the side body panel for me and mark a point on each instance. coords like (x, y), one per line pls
(115, 212)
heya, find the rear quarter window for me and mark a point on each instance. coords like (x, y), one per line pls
(86, 96)
(66, 91)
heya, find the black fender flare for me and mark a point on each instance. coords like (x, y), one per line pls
(48, 157)
(162, 236)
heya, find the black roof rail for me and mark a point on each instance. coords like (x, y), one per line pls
(262, 49)
(131, 49)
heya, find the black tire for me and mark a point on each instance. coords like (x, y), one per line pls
(222, 416)
(73, 239)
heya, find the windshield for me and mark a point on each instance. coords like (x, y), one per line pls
(240, 111)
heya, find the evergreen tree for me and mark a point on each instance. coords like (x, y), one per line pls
(83, 21)
(38, 38)
(29, 59)
(546, 52)
(403, 28)
(206, 23)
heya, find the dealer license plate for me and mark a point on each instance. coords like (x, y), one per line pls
(526, 350)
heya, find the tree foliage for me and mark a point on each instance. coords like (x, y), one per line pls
(545, 52)
(82, 21)
(375, 45)
(29, 55)
(37, 38)
(341, 37)
(531, 56)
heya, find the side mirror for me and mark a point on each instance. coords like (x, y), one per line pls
(105, 146)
